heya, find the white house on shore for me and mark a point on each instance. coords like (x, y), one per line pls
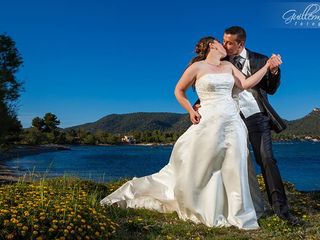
(128, 139)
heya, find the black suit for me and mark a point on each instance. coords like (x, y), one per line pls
(268, 85)
(259, 127)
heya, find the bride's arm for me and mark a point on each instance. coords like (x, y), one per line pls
(186, 80)
(243, 83)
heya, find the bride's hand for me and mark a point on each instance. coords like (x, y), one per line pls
(194, 117)
(274, 61)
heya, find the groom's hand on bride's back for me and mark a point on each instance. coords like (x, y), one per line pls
(196, 106)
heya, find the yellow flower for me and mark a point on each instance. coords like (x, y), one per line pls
(14, 220)
(25, 228)
(10, 236)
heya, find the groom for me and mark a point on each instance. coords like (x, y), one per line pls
(260, 118)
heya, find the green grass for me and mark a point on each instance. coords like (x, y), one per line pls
(68, 208)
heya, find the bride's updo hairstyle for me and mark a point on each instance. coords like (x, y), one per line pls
(202, 49)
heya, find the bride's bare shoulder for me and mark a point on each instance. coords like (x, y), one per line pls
(196, 66)
(198, 63)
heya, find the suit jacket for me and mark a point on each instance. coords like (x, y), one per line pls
(268, 85)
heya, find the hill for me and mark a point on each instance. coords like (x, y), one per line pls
(177, 122)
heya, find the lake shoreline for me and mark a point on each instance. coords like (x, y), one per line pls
(12, 168)
(27, 150)
(8, 175)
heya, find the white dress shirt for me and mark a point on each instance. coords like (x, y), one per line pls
(247, 103)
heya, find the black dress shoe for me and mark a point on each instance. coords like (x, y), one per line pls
(292, 220)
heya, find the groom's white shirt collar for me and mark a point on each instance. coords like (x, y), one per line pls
(243, 53)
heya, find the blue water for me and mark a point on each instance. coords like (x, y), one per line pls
(299, 162)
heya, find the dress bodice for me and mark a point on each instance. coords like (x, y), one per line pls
(212, 86)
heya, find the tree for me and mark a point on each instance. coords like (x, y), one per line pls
(71, 136)
(33, 136)
(10, 127)
(38, 123)
(51, 122)
(10, 88)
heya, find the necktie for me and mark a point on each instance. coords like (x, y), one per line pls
(238, 61)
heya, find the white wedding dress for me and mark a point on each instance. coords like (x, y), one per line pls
(206, 179)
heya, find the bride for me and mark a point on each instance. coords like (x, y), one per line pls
(206, 179)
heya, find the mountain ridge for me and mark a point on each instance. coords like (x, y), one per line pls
(178, 122)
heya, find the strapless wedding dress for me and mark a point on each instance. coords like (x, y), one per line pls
(206, 179)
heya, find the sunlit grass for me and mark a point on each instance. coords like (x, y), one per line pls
(64, 208)
(68, 208)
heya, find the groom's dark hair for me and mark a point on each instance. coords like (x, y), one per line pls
(236, 30)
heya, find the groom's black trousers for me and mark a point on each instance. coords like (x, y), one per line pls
(258, 126)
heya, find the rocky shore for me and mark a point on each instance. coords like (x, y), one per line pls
(9, 175)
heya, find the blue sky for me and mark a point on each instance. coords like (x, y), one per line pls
(87, 59)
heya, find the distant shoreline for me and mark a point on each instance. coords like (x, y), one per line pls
(8, 175)
(134, 144)
(26, 150)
